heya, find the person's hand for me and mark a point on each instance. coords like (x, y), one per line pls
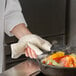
(29, 45)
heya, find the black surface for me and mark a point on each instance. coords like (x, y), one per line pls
(37, 73)
(45, 17)
(40, 74)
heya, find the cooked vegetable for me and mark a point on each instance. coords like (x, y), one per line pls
(60, 59)
(56, 55)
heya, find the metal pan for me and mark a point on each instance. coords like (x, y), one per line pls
(55, 70)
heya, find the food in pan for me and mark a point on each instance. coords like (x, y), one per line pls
(60, 59)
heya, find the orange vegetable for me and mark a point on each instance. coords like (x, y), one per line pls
(59, 58)
(56, 55)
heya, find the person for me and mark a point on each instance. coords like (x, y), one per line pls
(13, 23)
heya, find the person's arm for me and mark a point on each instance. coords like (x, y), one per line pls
(13, 16)
(20, 30)
(28, 43)
(15, 24)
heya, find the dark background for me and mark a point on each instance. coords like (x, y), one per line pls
(45, 17)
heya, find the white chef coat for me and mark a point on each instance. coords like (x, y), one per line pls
(10, 16)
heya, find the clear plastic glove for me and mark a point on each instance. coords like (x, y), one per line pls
(29, 45)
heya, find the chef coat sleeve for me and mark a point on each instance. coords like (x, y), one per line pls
(13, 15)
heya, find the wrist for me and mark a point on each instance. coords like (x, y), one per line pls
(20, 30)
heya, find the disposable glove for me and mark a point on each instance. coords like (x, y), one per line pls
(31, 41)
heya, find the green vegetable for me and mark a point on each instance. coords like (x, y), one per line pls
(53, 62)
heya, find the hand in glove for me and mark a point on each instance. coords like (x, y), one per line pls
(29, 45)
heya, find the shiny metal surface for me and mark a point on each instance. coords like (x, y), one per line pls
(23, 69)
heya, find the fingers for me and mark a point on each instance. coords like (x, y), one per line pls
(35, 49)
(46, 45)
(26, 52)
(30, 53)
(37, 41)
(40, 42)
